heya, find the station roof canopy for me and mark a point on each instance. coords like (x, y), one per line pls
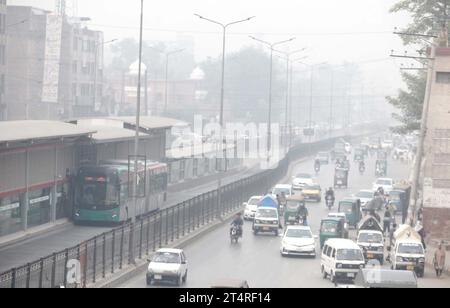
(122, 128)
(150, 122)
(36, 130)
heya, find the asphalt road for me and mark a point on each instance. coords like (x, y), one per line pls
(257, 259)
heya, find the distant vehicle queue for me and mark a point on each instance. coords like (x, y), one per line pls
(371, 212)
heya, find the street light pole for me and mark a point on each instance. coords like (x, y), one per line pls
(222, 97)
(288, 76)
(136, 143)
(94, 98)
(331, 103)
(269, 124)
(166, 79)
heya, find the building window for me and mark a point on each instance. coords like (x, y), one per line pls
(10, 215)
(75, 43)
(2, 55)
(443, 77)
(182, 169)
(195, 167)
(2, 84)
(75, 67)
(39, 207)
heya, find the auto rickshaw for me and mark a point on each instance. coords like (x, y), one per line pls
(292, 209)
(332, 227)
(352, 209)
(381, 168)
(398, 199)
(341, 178)
(359, 155)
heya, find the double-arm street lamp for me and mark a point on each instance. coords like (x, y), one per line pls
(312, 66)
(136, 141)
(94, 95)
(269, 124)
(166, 81)
(222, 93)
(287, 118)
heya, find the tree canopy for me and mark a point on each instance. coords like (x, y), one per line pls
(429, 17)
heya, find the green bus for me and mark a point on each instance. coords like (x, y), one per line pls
(102, 192)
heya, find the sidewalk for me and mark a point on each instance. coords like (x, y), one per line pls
(429, 257)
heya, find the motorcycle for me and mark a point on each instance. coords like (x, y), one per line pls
(235, 234)
(330, 202)
(303, 221)
(362, 169)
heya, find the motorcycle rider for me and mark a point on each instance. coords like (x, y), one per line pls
(317, 165)
(237, 222)
(329, 194)
(362, 166)
(303, 213)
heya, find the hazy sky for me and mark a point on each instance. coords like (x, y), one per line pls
(334, 31)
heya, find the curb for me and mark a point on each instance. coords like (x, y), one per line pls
(30, 234)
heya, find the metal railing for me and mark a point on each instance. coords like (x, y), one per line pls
(109, 252)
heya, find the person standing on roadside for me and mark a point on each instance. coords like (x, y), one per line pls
(439, 260)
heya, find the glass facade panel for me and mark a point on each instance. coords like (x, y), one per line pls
(10, 215)
(39, 207)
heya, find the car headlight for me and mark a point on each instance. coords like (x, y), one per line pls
(399, 259)
(361, 266)
(257, 221)
(338, 265)
(381, 249)
(150, 271)
(422, 260)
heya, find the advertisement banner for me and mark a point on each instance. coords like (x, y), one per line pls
(52, 58)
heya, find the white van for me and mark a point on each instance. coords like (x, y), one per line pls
(341, 260)
(409, 255)
(266, 220)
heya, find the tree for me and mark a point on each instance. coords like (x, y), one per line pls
(428, 17)
(246, 84)
(410, 103)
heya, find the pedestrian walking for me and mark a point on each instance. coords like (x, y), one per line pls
(387, 220)
(439, 260)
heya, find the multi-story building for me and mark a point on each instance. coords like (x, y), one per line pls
(3, 109)
(53, 67)
(436, 176)
(86, 54)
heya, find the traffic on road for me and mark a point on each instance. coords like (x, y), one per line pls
(290, 239)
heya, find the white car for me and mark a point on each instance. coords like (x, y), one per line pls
(282, 188)
(365, 196)
(251, 207)
(387, 144)
(301, 180)
(348, 148)
(386, 183)
(299, 241)
(168, 265)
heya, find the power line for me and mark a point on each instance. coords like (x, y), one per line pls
(247, 33)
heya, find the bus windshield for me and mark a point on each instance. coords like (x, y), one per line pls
(97, 193)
